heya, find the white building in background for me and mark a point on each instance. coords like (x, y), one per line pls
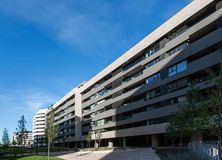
(39, 121)
(28, 142)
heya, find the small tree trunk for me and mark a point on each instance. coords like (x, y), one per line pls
(48, 149)
(172, 142)
(181, 141)
(219, 135)
(219, 126)
(219, 148)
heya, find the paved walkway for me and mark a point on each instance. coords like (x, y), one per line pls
(131, 154)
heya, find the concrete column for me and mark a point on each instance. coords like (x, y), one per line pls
(147, 141)
(124, 141)
(154, 141)
(110, 143)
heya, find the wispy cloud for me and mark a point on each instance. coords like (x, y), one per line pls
(88, 26)
(30, 100)
(18, 102)
(34, 100)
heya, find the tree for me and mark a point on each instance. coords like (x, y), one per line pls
(51, 129)
(98, 137)
(21, 131)
(175, 129)
(5, 138)
(88, 138)
(215, 104)
(202, 111)
(14, 142)
(192, 118)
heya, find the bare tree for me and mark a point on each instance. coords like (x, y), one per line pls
(51, 129)
(98, 137)
(88, 138)
(21, 131)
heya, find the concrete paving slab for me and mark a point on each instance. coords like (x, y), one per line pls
(131, 154)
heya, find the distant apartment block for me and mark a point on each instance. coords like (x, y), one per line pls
(27, 141)
(39, 121)
(131, 100)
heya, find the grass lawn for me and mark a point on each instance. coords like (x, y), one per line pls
(18, 150)
(33, 158)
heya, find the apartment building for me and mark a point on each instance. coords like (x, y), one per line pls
(38, 125)
(131, 100)
(68, 119)
(27, 141)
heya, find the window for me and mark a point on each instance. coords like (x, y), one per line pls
(153, 50)
(152, 62)
(177, 49)
(158, 120)
(101, 93)
(180, 67)
(92, 115)
(134, 62)
(101, 101)
(132, 77)
(104, 121)
(153, 78)
(177, 84)
(92, 107)
(152, 94)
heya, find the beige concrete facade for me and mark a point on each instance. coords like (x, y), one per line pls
(132, 98)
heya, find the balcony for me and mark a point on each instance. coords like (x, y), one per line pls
(132, 77)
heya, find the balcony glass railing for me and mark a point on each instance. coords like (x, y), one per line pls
(150, 64)
(150, 52)
(178, 32)
(133, 63)
(177, 49)
(153, 78)
(132, 77)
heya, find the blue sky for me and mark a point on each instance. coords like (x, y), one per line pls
(47, 47)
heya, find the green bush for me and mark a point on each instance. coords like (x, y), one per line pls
(177, 154)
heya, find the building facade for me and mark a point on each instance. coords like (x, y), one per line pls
(130, 101)
(27, 141)
(39, 121)
(68, 119)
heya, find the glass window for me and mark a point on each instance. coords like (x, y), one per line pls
(132, 77)
(101, 101)
(152, 94)
(153, 62)
(172, 71)
(182, 66)
(153, 78)
(175, 69)
(101, 122)
(102, 93)
(92, 107)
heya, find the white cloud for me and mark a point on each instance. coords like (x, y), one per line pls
(86, 26)
(38, 100)
(30, 100)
